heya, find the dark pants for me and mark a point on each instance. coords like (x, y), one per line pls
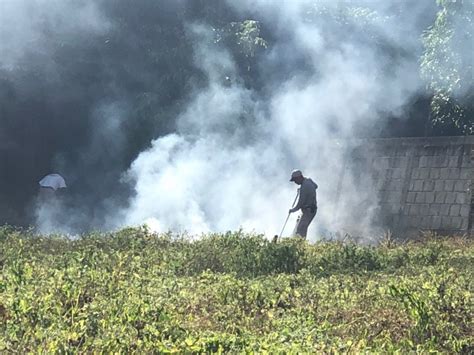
(305, 220)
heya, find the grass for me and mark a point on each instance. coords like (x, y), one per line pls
(133, 291)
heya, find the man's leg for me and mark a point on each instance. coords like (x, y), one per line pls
(304, 222)
(296, 225)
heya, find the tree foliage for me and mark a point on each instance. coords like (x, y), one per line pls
(447, 66)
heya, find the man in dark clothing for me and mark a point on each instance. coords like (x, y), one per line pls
(306, 202)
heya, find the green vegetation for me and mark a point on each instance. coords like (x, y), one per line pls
(447, 66)
(133, 291)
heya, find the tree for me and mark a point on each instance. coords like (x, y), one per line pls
(447, 66)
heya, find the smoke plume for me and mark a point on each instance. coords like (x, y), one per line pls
(152, 118)
(221, 170)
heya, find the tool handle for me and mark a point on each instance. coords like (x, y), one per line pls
(284, 225)
(287, 217)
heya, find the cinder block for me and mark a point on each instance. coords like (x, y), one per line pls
(435, 209)
(464, 212)
(430, 197)
(408, 220)
(384, 163)
(397, 173)
(454, 173)
(450, 198)
(418, 185)
(414, 210)
(466, 162)
(428, 151)
(424, 173)
(431, 161)
(399, 152)
(428, 185)
(411, 197)
(383, 196)
(405, 209)
(397, 185)
(384, 174)
(386, 184)
(440, 196)
(434, 173)
(442, 151)
(461, 197)
(439, 185)
(445, 222)
(391, 162)
(402, 222)
(440, 161)
(459, 186)
(444, 173)
(420, 197)
(453, 161)
(468, 184)
(464, 224)
(375, 163)
(467, 174)
(399, 162)
(425, 209)
(396, 209)
(396, 162)
(387, 174)
(426, 222)
(436, 222)
(456, 222)
(394, 197)
(404, 163)
(454, 150)
(379, 185)
(424, 161)
(449, 185)
(415, 221)
(444, 210)
(454, 210)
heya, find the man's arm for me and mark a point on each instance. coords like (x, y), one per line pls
(300, 200)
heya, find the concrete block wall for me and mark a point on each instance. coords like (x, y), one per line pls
(423, 183)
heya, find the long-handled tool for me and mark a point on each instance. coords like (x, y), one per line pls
(287, 217)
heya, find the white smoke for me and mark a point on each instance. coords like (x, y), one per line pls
(228, 163)
(209, 177)
(28, 28)
(216, 173)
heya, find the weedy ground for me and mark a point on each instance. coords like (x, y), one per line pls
(134, 292)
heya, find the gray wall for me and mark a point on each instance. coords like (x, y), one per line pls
(418, 183)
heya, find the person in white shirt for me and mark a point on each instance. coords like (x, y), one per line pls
(306, 202)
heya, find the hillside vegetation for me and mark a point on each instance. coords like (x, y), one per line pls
(133, 291)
